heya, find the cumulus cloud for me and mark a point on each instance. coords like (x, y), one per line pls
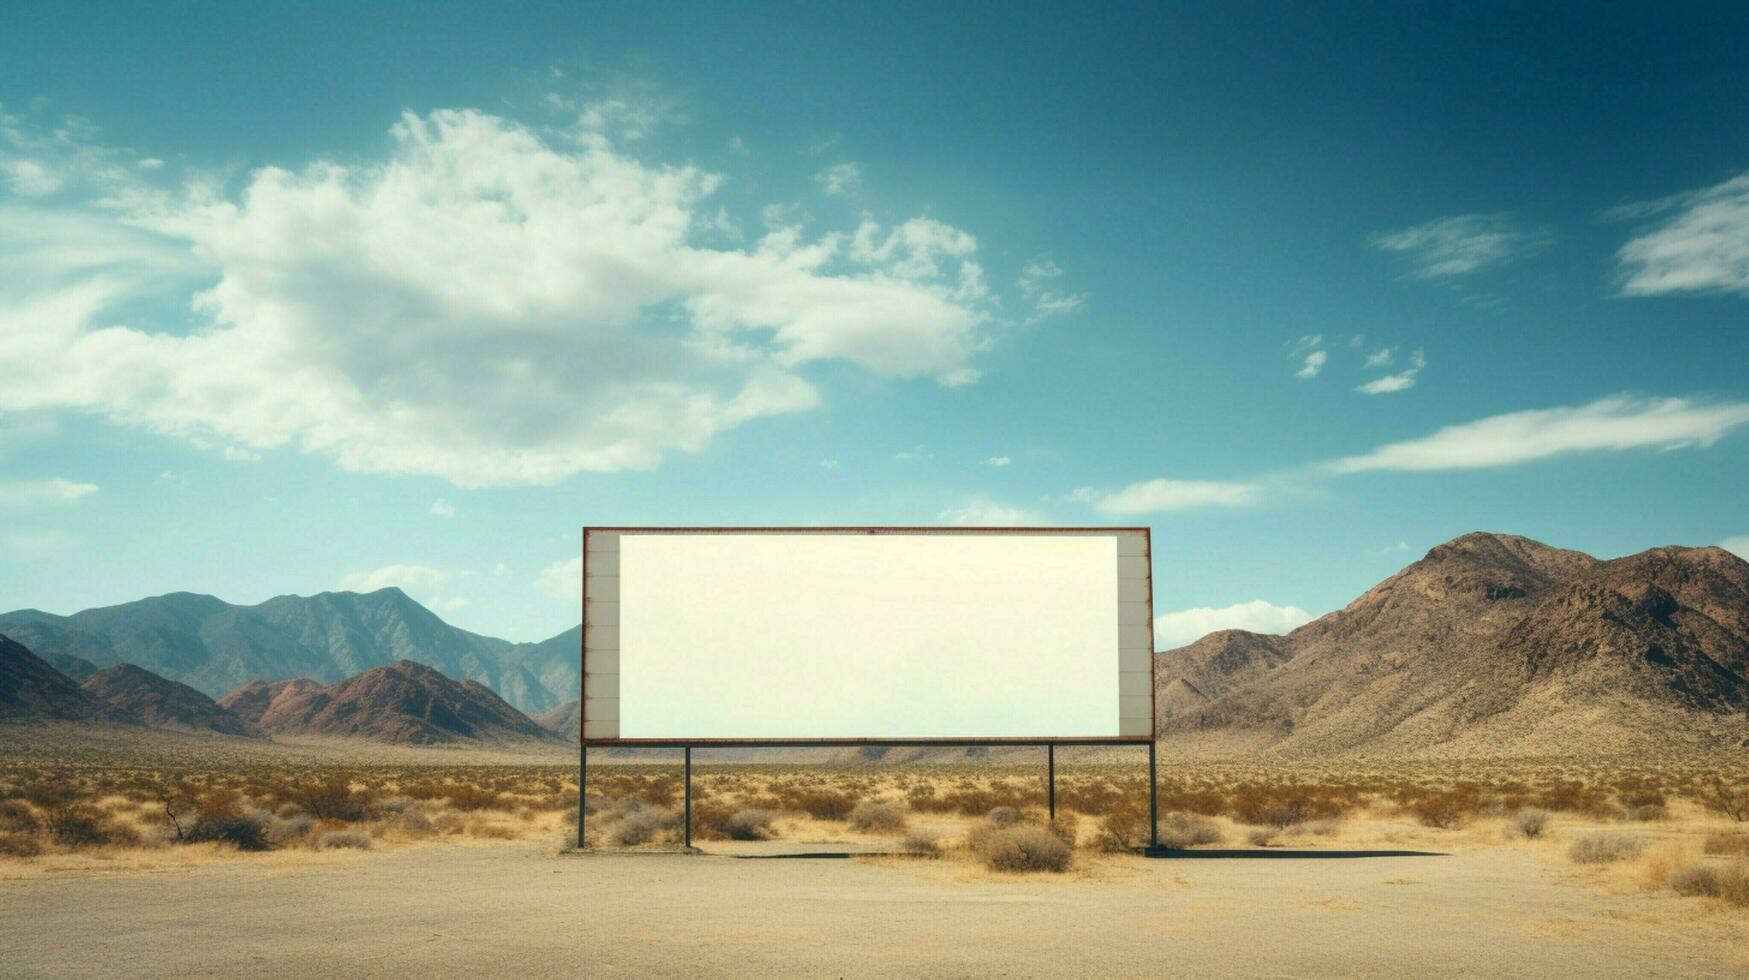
(1738, 546)
(1620, 422)
(1176, 629)
(25, 494)
(562, 580)
(1308, 350)
(1702, 244)
(1401, 381)
(1153, 496)
(1313, 364)
(840, 179)
(997, 461)
(1462, 244)
(982, 512)
(1379, 358)
(489, 305)
(442, 508)
(407, 578)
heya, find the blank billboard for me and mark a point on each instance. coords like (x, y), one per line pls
(695, 635)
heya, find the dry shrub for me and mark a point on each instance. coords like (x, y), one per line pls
(1023, 847)
(1124, 829)
(330, 840)
(1727, 843)
(1530, 823)
(1285, 805)
(282, 831)
(332, 798)
(821, 804)
(1722, 797)
(19, 845)
(640, 823)
(469, 798)
(1261, 836)
(221, 819)
(1604, 848)
(82, 825)
(922, 842)
(1002, 816)
(877, 817)
(1182, 830)
(749, 823)
(1445, 809)
(1067, 828)
(1729, 882)
(16, 818)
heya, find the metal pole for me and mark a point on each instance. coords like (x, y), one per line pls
(688, 817)
(582, 793)
(1051, 777)
(1153, 800)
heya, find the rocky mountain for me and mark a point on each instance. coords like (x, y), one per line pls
(31, 689)
(405, 703)
(1490, 645)
(162, 703)
(256, 698)
(565, 720)
(214, 646)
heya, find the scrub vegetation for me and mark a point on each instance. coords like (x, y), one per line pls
(1678, 828)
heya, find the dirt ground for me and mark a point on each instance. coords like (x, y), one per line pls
(521, 908)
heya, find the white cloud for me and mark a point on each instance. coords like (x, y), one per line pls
(450, 606)
(562, 580)
(1153, 496)
(1401, 381)
(1702, 247)
(840, 179)
(24, 494)
(407, 578)
(442, 508)
(1176, 629)
(1738, 546)
(489, 305)
(1036, 278)
(29, 178)
(829, 464)
(1619, 422)
(1380, 358)
(1462, 244)
(982, 512)
(1313, 364)
(997, 461)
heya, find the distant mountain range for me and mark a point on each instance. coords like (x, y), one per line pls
(403, 703)
(1490, 645)
(216, 647)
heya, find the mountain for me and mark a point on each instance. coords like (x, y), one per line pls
(1489, 645)
(214, 646)
(563, 720)
(30, 688)
(405, 702)
(256, 698)
(162, 703)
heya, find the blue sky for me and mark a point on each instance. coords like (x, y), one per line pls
(296, 299)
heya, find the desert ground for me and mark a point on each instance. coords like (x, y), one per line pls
(197, 857)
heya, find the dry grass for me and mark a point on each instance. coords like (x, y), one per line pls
(1604, 848)
(128, 804)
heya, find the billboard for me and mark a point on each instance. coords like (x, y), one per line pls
(885, 635)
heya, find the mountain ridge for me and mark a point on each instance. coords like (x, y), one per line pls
(1489, 644)
(215, 647)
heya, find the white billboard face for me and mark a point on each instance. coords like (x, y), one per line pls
(883, 635)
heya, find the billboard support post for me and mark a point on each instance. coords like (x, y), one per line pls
(1153, 801)
(686, 817)
(1051, 779)
(582, 794)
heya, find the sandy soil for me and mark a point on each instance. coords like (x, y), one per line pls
(517, 908)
